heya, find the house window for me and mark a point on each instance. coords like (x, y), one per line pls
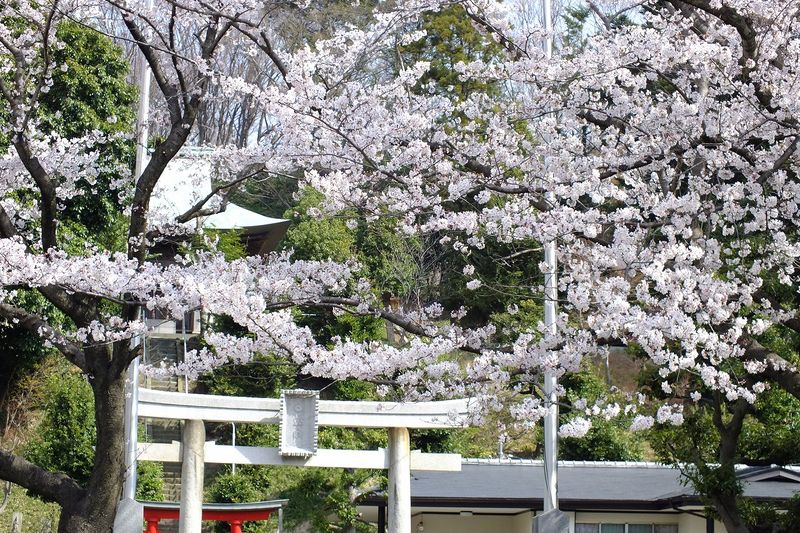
(626, 528)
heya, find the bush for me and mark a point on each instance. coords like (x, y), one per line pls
(65, 437)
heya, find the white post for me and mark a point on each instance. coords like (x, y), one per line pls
(192, 471)
(131, 428)
(399, 504)
(233, 443)
(550, 299)
(132, 400)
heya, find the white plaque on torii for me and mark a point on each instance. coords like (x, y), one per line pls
(299, 427)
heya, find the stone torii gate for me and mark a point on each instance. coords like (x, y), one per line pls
(299, 413)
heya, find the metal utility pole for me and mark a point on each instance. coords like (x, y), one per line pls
(551, 520)
(132, 401)
(550, 299)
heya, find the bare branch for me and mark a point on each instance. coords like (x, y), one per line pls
(197, 209)
(52, 485)
(47, 190)
(778, 369)
(40, 327)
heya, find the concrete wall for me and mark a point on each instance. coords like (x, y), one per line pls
(522, 523)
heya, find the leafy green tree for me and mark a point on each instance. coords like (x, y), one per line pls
(66, 434)
(149, 481)
(451, 38)
(313, 238)
(93, 94)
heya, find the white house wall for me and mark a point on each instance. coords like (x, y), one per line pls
(687, 523)
(452, 523)
(522, 522)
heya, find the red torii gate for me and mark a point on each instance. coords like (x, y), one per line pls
(232, 513)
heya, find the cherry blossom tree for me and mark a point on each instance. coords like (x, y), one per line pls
(661, 157)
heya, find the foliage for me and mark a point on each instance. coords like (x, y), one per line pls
(772, 518)
(238, 487)
(149, 476)
(92, 94)
(149, 481)
(451, 38)
(66, 434)
(93, 91)
(35, 512)
(20, 352)
(229, 243)
(312, 238)
(575, 20)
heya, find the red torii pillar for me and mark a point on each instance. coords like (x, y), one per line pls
(232, 513)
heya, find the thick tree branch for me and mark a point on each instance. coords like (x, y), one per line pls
(167, 89)
(41, 328)
(162, 155)
(52, 485)
(607, 22)
(778, 370)
(47, 189)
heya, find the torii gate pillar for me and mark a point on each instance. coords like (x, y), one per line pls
(192, 471)
(399, 504)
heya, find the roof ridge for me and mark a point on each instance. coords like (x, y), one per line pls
(540, 462)
(587, 462)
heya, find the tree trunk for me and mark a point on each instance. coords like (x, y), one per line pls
(725, 498)
(725, 505)
(95, 512)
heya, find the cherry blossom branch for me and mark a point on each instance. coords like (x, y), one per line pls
(197, 209)
(511, 47)
(408, 324)
(749, 40)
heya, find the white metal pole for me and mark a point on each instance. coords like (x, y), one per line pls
(233, 443)
(131, 426)
(132, 402)
(550, 298)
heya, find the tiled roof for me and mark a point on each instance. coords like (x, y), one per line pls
(582, 484)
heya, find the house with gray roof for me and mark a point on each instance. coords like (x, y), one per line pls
(504, 495)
